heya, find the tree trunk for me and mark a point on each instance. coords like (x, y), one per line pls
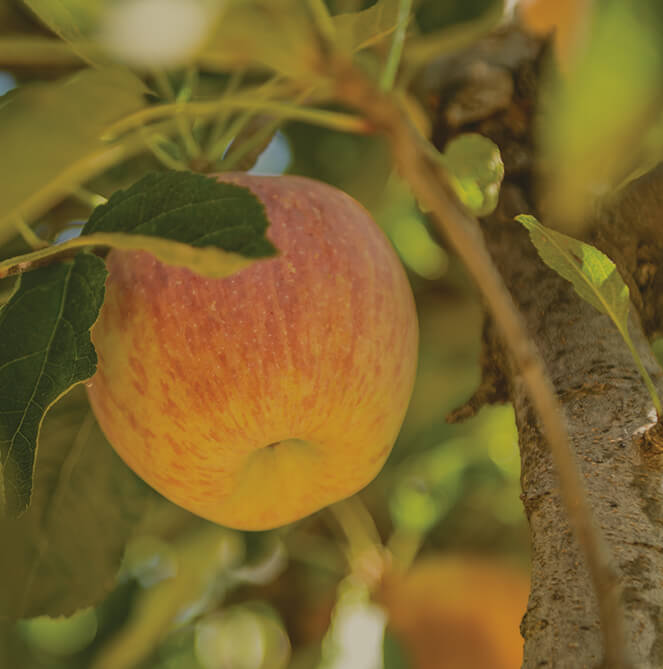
(606, 404)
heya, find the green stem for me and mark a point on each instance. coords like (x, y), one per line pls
(394, 58)
(651, 388)
(254, 142)
(29, 236)
(152, 142)
(222, 143)
(329, 119)
(167, 92)
(184, 95)
(323, 19)
(404, 546)
(165, 88)
(87, 197)
(222, 119)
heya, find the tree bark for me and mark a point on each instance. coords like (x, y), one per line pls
(606, 404)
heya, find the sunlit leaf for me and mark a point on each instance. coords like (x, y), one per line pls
(63, 554)
(476, 165)
(594, 277)
(73, 21)
(45, 349)
(48, 129)
(268, 34)
(362, 29)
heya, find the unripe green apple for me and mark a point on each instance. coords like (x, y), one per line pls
(257, 399)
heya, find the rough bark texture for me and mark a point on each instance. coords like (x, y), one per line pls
(606, 404)
(604, 400)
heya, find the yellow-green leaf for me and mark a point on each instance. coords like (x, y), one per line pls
(594, 277)
(50, 134)
(362, 29)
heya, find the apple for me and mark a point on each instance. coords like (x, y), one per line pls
(257, 399)
(458, 612)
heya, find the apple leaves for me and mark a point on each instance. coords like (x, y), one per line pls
(50, 134)
(222, 218)
(64, 552)
(594, 277)
(45, 346)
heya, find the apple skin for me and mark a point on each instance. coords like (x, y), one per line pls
(257, 399)
(458, 612)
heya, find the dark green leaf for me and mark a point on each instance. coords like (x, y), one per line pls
(63, 553)
(189, 208)
(45, 349)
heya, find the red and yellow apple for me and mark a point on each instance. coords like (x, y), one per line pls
(458, 612)
(257, 399)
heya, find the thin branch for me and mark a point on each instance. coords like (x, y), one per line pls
(29, 235)
(329, 119)
(221, 121)
(88, 197)
(462, 231)
(396, 49)
(323, 20)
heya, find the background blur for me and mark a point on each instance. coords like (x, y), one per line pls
(430, 561)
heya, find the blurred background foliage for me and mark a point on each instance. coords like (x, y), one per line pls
(430, 561)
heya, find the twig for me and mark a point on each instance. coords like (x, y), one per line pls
(462, 231)
(329, 119)
(29, 236)
(396, 49)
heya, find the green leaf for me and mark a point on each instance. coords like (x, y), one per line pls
(63, 553)
(72, 21)
(274, 34)
(50, 138)
(359, 30)
(594, 277)
(188, 208)
(476, 165)
(45, 349)
(450, 26)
